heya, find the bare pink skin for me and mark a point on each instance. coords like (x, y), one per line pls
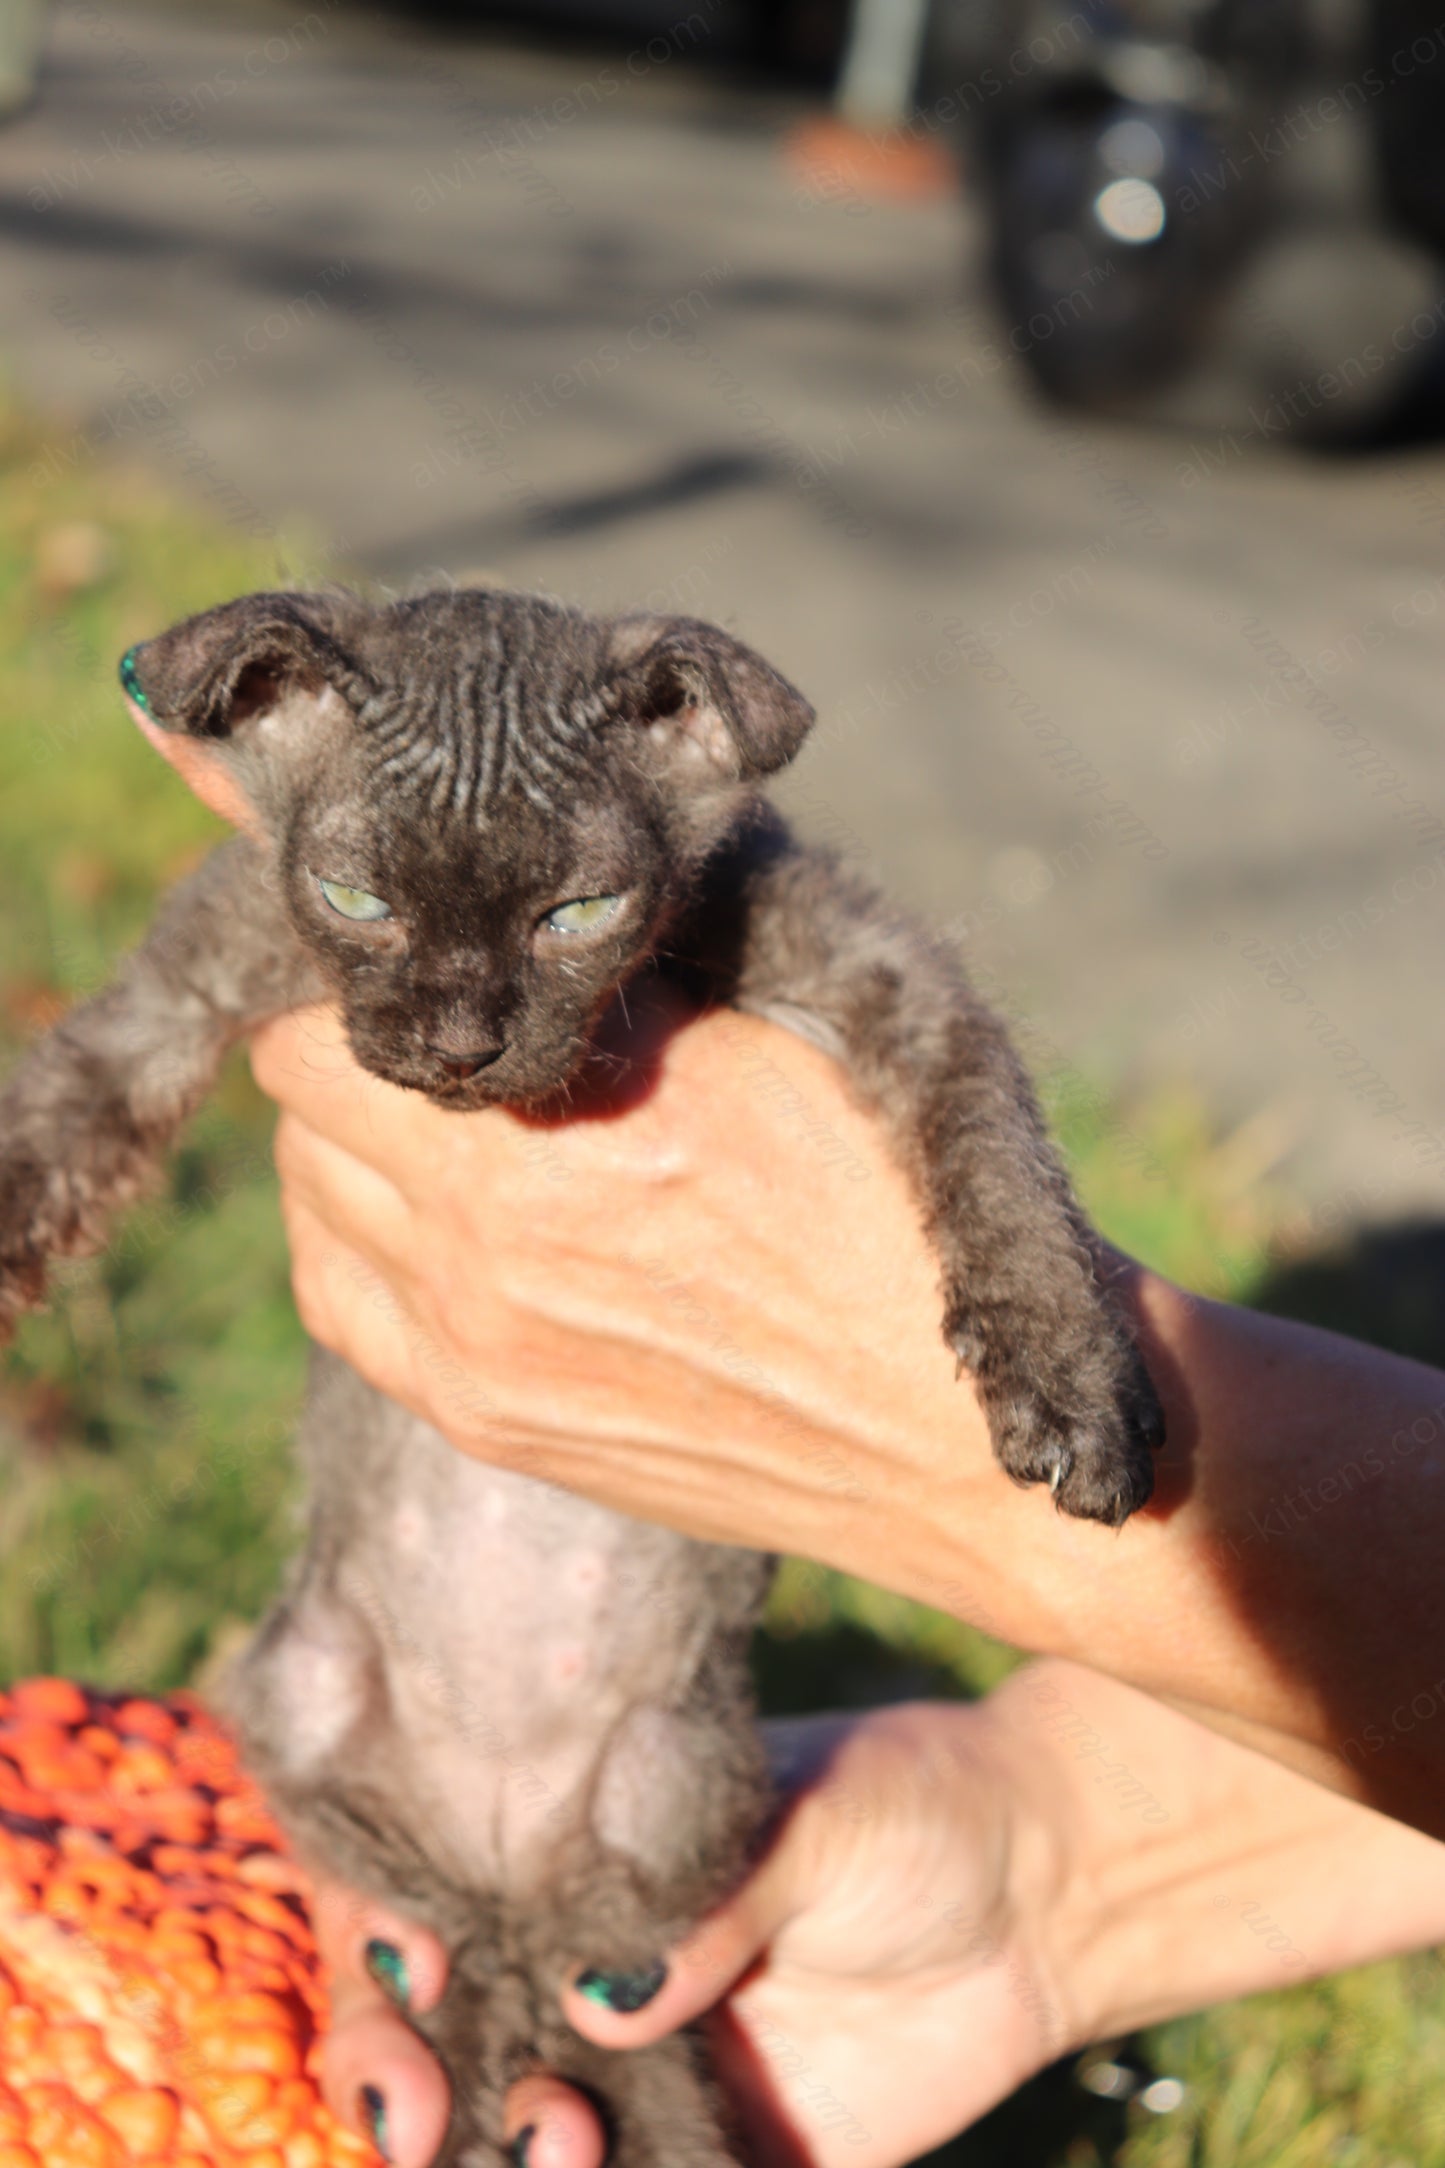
(199, 771)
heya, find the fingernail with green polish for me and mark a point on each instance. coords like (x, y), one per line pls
(371, 2101)
(387, 1967)
(623, 1992)
(521, 2145)
(129, 679)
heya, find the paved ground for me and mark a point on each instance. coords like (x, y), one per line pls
(1155, 713)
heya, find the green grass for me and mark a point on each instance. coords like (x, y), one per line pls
(145, 1476)
(143, 1466)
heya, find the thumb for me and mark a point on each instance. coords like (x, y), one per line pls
(632, 2009)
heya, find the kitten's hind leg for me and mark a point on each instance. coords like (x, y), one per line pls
(658, 2106)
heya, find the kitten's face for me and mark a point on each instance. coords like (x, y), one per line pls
(473, 958)
(484, 807)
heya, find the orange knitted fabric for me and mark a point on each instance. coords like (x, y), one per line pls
(160, 1992)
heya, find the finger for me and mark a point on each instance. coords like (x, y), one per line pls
(304, 1062)
(289, 1052)
(354, 1201)
(349, 1928)
(633, 2009)
(548, 2125)
(630, 2009)
(346, 1304)
(800, 1749)
(381, 2080)
(377, 2075)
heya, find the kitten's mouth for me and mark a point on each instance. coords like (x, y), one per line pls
(456, 1081)
(460, 1094)
(464, 1080)
(458, 1085)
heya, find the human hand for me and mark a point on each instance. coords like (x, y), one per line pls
(952, 1897)
(880, 1977)
(715, 1307)
(381, 2078)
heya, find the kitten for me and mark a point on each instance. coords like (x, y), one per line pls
(469, 819)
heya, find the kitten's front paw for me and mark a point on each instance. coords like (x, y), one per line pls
(1089, 1429)
(44, 1213)
(23, 1245)
(1099, 1465)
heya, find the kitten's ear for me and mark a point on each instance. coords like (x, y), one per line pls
(214, 678)
(700, 691)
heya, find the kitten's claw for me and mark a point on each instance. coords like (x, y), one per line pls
(1098, 1465)
(1089, 1431)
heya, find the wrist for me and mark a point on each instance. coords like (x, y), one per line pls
(1049, 1916)
(1158, 1603)
(1168, 1844)
(1144, 1817)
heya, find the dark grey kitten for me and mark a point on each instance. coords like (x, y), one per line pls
(470, 818)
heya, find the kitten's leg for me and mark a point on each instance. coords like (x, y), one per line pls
(659, 2106)
(89, 1114)
(1068, 1398)
(500, 2019)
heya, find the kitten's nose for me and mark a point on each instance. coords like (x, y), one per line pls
(462, 1066)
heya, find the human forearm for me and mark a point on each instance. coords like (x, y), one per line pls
(1285, 1583)
(1185, 1870)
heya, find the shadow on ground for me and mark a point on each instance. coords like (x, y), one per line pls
(1384, 1284)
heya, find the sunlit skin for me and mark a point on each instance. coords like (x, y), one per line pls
(951, 1902)
(543, 1265)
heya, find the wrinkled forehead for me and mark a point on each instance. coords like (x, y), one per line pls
(411, 818)
(480, 697)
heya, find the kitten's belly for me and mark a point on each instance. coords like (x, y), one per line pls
(516, 1656)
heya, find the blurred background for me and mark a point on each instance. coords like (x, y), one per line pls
(1056, 394)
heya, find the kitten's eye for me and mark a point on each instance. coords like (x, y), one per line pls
(353, 903)
(584, 915)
